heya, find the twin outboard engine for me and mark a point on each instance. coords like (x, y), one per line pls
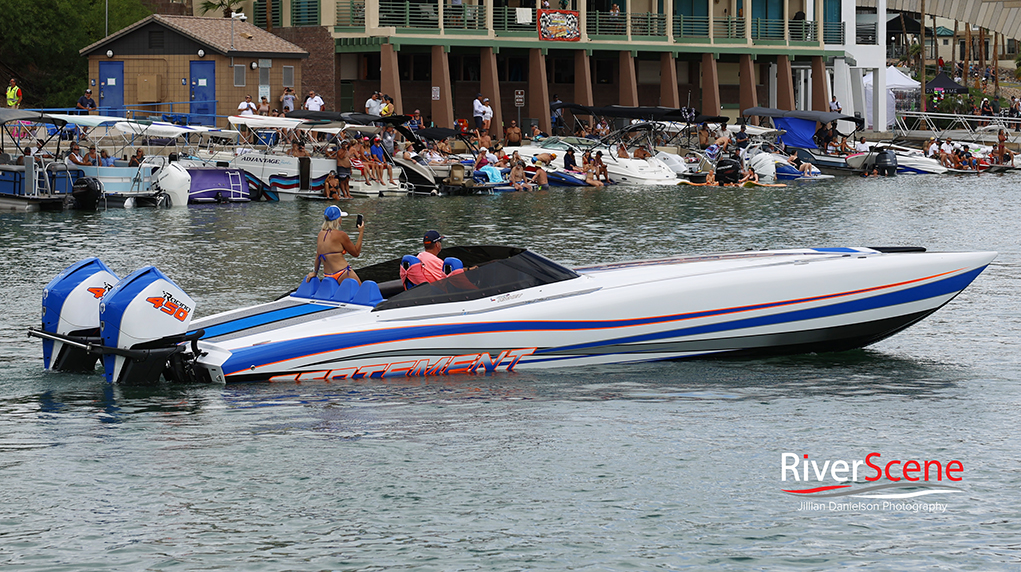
(886, 162)
(138, 325)
(728, 171)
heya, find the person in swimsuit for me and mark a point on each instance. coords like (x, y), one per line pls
(344, 169)
(332, 245)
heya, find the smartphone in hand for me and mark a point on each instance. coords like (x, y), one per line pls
(359, 221)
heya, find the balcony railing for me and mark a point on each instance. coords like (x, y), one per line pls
(763, 29)
(803, 31)
(728, 28)
(351, 14)
(607, 24)
(865, 34)
(398, 14)
(833, 32)
(690, 27)
(464, 17)
(507, 19)
(648, 24)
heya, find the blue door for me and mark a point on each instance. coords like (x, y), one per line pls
(111, 88)
(203, 92)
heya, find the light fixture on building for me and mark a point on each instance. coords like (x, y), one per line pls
(202, 53)
(255, 65)
(109, 53)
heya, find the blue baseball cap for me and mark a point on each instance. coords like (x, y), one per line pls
(432, 237)
(333, 213)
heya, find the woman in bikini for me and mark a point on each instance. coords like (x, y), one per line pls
(332, 245)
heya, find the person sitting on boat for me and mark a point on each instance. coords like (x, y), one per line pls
(381, 160)
(331, 189)
(741, 138)
(932, 150)
(861, 146)
(804, 167)
(537, 134)
(749, 176)
(642, 153)
(432, 264)
(369, 160)
(569, 162)
(355, 154)
(723, 141)
(137, 159)
(105, 160)
(704, 136)
(946, 152)
(517, 177)
(600, 167)
(485, 140)
(332, 245)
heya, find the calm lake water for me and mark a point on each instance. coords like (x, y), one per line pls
(651, 467)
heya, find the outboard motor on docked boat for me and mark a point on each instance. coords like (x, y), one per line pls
(143, 321)
(87, 191)
(728, 170)
(71, 308)
(886, 162)
(175, 182)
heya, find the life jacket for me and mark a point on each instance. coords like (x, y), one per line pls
(13, 93)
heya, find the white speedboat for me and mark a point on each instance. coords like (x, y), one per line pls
(511, 309)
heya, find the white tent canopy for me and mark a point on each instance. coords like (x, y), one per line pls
(895, 80)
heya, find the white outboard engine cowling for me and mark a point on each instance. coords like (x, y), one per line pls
(174, 180)
(71, 308)
(147, 314)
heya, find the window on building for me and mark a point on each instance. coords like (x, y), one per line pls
(563, 70)
(603, 71)
(404, 66)
(288, 76)
(471, 68)
(156, 41)
(263, 76)
(259, 8)
(371, 63)
(946, 42)
(239, 76)
(517, 69)
(304, 12)
(421, 67)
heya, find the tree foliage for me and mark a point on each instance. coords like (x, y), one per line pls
(223, 6)
(41, 42)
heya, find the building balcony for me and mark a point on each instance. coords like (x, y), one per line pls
(471, 17)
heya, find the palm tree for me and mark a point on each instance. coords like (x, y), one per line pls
(227, 6)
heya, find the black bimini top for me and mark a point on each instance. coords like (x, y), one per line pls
(489, 271)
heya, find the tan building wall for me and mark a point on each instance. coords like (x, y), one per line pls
(167, 72)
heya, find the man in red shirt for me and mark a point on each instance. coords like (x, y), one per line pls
(432, 264)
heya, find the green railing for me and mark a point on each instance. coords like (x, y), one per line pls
(648, 24)
(351, 14)
(763, 29)
(422, 15)
(833, 32)
(728, 28)
(690, 27)
(506, 19)
(464, 17)
(606, 24)
(304, 12)
(803, 31)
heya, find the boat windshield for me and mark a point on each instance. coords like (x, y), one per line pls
(565, 143)
(492, 278)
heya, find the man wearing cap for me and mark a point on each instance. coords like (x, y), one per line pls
(415, 123)
(86, 103)
(432, 264)
(373, 104)
(314, 102)
(332, 245)
(478, 110)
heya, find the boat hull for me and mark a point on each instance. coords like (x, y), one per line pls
(741, 304)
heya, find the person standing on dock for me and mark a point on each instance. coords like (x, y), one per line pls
(86, 103)
(835, 105)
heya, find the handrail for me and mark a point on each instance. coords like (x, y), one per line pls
(940, 124)
(690, 26)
